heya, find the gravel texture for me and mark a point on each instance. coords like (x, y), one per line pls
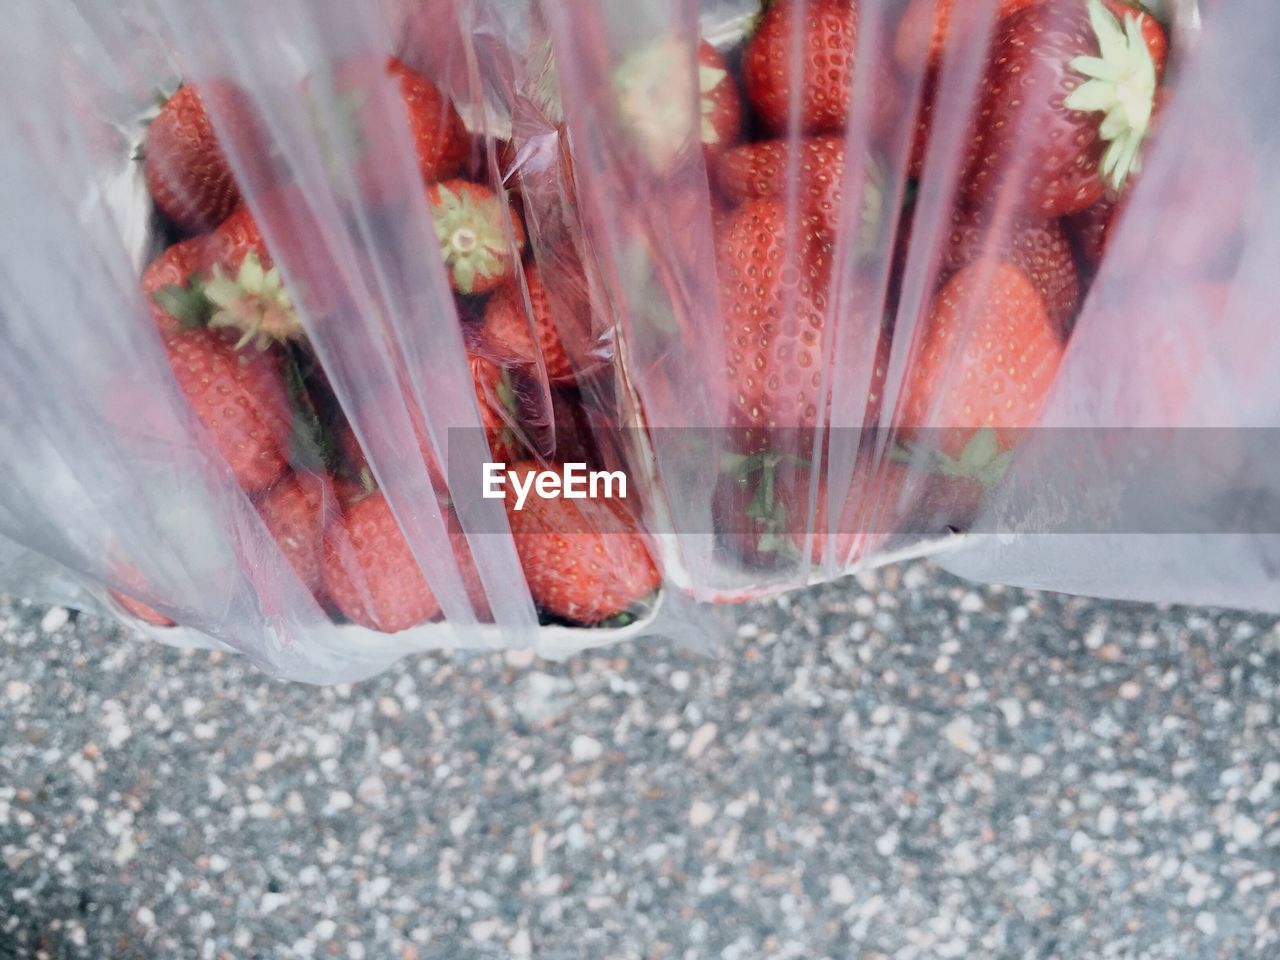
(906, 766)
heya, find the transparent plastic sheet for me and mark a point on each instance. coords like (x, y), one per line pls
(1178, 338)
(840, 398)
(346, 166)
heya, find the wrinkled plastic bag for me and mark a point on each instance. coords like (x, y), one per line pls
(950, 279)
(773, 308)
(257, 442)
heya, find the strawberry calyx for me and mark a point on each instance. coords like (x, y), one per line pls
(1120, 83)
(981, 459)
(187, 303)
(653, 102)
(766, 508)
(470, 231)
(254, 302)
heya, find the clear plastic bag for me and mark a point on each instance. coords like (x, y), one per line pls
(829, 283)
(339, 320)
(926, 277)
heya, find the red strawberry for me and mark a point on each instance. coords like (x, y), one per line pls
(987, 357)
(471, 581)
(295, 511)
(760, 171)
(1091, 227)
(1065, 104)
(137, 608)
(719, 101)
(653, 105)
(473, 238)
(236, 238)
(170, 285)
(827, 45)
(240, 398)
(923, 31)
(506, 328)
(499, 397)
(370, 573)
(187, 173)
(439, 137)
(772, 301)
(584, 560)
(866, 516)
(243, 286)
(1039, 248)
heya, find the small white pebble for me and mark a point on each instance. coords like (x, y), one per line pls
(841, 889)
(701, 739)
(1129, 690)
(520, 945)
(1032, 766)
(887, 842)
(680, 681)
(324, 930)
(262, 760)
(584, 749)
(1107, 820)
(339, 800)
(54, 619)
(1244, 831)
(961, 733)
(701, 813)
(972, 602)
(326, 745)
(1012, 710)
(1206, 923)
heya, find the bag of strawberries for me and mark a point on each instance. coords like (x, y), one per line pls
(966, 279)
(444, 323)
(296, 303)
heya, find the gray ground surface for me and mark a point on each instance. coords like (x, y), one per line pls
(921, 770)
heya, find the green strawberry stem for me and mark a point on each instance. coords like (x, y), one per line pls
(313, 447)
(1121, 83)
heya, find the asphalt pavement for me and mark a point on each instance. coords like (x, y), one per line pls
(902, 765)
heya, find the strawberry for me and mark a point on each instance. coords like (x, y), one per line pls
(826, 46)
(1065, 104)
(1091, 227)
(186, 170)
(866, 515)
(240, 398)
(1039, 248)
(473, 238)
(506, 328)
(171, 287)
(584, 560)
(439, 138)
(760, 171)
(136, 608)
(471, 581)
(295, 510)
(500, 397)
(773, 278)
(653, 102)
(923, 32)
(719, 103)
(235, 239)
(986, 358)
(370, 573)
(244, 288)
